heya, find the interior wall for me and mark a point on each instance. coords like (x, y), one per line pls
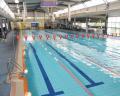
(32, 17)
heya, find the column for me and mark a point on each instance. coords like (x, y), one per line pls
(9, 25)
(53, 17)
(6, 27)
(74, 20)
(106, 25)
(2, 31)
(69, 13)
(106, 19)
(24, 10)
(74, 23)
(66, 23)
(86, 25)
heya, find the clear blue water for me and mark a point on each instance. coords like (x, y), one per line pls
(94, 62)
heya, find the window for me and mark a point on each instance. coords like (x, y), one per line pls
(113, 25)
(94, 3)
(77, 7)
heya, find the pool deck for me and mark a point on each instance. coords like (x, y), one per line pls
(6, 51)
(4, 87)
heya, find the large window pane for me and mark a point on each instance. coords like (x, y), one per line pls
(117, 19)
(109, 30)
(111, 0)
(94, 3)
(117, 25)
(118, 30)
(77, 7)
(109, 24)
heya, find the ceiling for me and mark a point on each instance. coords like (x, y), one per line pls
(34, 5)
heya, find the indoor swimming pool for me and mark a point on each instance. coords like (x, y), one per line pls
(72, 66)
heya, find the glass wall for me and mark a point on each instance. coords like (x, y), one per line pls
(114, 26)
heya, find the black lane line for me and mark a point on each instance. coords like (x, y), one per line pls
(92, 83)
(44, 74)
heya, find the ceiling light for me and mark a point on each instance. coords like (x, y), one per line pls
(16, 1)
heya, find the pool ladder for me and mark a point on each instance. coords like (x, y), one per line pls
(12, 64)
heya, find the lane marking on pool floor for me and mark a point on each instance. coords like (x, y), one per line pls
(45, 76)
(92, 82)
(75, 78)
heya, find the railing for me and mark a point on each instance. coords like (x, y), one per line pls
(14, 69)
(10, 68)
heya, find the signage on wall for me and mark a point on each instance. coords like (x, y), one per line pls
(48, 3)
(34, 24)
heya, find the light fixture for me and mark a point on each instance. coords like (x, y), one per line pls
(25, 71)
(28, 94)
(16, 1)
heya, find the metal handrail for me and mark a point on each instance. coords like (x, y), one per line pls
(12, 61)
(11, 65)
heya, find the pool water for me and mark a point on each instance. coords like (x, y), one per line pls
(73, 66)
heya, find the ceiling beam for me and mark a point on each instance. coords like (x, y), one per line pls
(69, 1)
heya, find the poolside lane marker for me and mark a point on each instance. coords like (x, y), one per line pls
(17, 37)
(45, 76)
(40, 37)
(75, 78)
(25, 36)
(92, 83)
